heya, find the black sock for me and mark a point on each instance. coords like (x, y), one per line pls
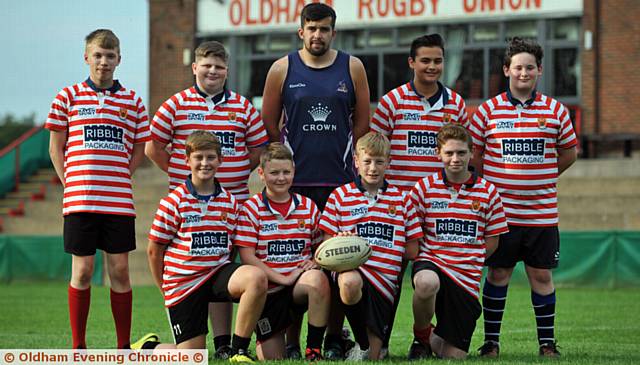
(240, 343)
(150, 345)
(494, 299)
(314, 336)
(544, 306)
(356, 316)
(222, 340)
(332, 339)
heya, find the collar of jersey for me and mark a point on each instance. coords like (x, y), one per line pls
(115, 87)
(517, 102)
(358, 182)
(265, 201)
(469, 183)
(219, 98)
(433, 100)
(192, 190)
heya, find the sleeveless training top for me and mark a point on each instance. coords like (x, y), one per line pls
(319, 105)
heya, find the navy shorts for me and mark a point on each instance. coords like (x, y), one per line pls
(538, 247)
(456, 310)
(188, 318)
(277, 314)
(84, 233)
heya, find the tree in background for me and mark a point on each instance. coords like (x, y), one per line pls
(12, 127)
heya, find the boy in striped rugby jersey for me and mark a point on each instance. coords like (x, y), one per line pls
(370, 208)
(461, 215)
(209, 105)
(523, 141)
(276, 232)
(189, 250)
(98, 130)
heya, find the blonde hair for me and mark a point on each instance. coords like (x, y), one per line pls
(103, 38)
(374, 143)
(203, 140)
(454, 131)
(275, 151)
(212, 48)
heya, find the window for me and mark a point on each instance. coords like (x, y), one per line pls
(469, 83)
(396, 71)
(370, 63)
(523, 29)
(485, 32)
(566, 71)
(497, 81)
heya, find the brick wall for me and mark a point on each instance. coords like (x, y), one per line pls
(172, 25)
(619, 51)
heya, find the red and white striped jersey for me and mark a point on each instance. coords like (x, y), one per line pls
(198, 235)
(520, 143)
(102, 127)
(280, 242)
(411, 123)
(235, 122)
(387, 221)
(455, 223)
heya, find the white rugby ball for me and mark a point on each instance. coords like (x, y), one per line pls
(342, 253)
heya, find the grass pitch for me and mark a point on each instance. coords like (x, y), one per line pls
(593, 326)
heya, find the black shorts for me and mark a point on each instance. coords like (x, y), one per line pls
(319, 194)
(188, 318)
(376, 308)
(538, 247)
(277, 313)
(456, 310)
(84, 233)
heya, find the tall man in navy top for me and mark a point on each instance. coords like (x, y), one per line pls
(325, 97)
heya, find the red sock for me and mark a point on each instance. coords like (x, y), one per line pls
(423, 334)
(79, 301)
(121, 309)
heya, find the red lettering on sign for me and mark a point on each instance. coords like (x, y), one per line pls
(471, 6)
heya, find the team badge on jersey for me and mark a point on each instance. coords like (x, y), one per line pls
(542, 123)
(301, 224)
(232, 116)
(342, 87)
(392, 210)
(123, 113)
(475, 205)
(446, 118)
(223, 216)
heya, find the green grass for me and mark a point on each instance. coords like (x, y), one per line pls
(593, 326)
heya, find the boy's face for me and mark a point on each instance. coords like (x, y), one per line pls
(277, 175)
(427, 65)
(317, 36)
(211, 73)
(523, 73)
(371, 168)
(102, 63)
(455, 156)
(203, 164)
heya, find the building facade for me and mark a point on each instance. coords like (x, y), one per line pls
(588, 47)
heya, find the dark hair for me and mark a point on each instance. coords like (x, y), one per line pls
(520, 45)
(427, 40)
(316, 11)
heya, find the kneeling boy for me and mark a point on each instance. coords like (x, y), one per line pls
(276, 231)
(188, 250)
(371, 209)
(462, 216)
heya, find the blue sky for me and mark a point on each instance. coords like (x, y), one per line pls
(43, 44)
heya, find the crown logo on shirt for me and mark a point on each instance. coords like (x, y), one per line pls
(446, 118)
(319, 113)
(232, 116)
(223, 217)
(542, 123)
(392, 210)
(123, 113)
(301, 224)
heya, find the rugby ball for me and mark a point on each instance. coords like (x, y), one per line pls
(342, 253)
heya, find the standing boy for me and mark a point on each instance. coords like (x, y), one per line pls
(276, 232)
(98, 129)
(523, 141)
(324, 94)
(209, 106)
(411, 114)
(372, 209)
(462, 217)
(189, 250)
